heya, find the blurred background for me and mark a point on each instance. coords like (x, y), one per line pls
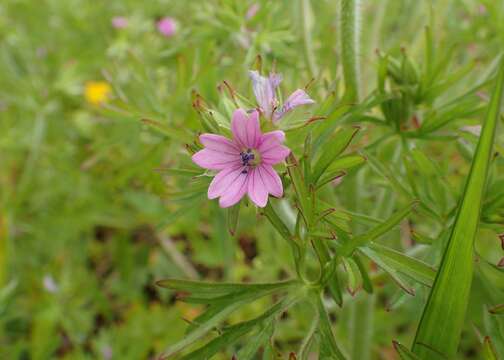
(88, 222)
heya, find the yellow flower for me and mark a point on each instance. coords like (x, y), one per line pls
(97, 92)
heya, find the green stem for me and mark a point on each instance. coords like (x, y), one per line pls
(306, 19)
(350, 44)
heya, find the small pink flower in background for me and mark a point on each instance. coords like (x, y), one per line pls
(245, 163)
(167, 26)
(265, 93)
(119, 22)
(252, 11)
(49, 284)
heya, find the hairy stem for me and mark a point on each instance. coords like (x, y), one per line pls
(349, 47)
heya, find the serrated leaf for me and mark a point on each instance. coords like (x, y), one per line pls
(444, 314)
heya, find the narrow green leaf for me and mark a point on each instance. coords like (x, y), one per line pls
(488, 349)
(282, 229)
(300, 187)
(328, 347)
(367, 284)
(404, 264)
(214, 289)
(235, 332)
(444, 314)
(377, 231)
(331, 149)
(232, 218)
(394, 274)
(261, 337)
(403, 352)
(353, 272)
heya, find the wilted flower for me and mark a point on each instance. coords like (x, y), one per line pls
(119, 22)
(265, 93)
(245, 163)
(97, 92)
(167, 26)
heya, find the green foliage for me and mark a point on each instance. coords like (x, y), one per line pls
(444, 314)
(100, 200)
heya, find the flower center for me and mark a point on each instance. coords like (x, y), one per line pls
(249, 157)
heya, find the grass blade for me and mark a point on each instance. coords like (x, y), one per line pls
(444, 314)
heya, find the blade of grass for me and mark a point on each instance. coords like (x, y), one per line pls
(444, 314)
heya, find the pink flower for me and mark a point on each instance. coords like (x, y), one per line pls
(245, 163)
(252, 11)
(167, 26)
(265, 93)
(119, 22)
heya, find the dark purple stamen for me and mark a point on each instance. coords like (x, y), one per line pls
(246, 157)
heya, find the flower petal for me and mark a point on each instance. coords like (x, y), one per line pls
(215, 160)
(270, 140)
(264, 91)
(239, 127)
(257, 191)
(246, 129)
(222, 180)
(235, 191)
(297, 98)
(253, 130)
(271, 180)
(275, 155)
(219, 143)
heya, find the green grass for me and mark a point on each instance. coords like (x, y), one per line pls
(98, 202)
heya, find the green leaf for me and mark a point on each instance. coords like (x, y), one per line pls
(367, 284)
(353, 272)
(394, 274)
(404, 264)
(235, 332)
(331, 149)
(220, 308)
(403, 352)
(335, 170)
(488, 349)
(300, 187)
(211, 290)
(232, 218)
(261, 337)
(377, 231)
(328, 347)
(444, 314)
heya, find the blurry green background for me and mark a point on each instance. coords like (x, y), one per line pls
(87, 224)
